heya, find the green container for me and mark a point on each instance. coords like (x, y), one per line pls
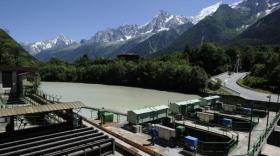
(180, 129)
(107, 117)
(100, 114)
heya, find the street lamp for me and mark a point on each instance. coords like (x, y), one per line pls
(267, 109)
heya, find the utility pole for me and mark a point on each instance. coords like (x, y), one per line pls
(267, 109)
(237, 64)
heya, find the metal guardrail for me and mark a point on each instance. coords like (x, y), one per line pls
(257, 145)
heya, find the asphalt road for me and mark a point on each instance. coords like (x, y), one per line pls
(230, 82)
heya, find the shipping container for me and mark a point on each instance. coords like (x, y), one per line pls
(184, 107)
(191, 141)
(210, 100)
(147, 114)
(227, 122)
(160, 111)
(107, 117)
(181, 129)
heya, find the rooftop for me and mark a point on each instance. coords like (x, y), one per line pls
(150, 109)
(188, 102)
(40, 109)
(211, 97)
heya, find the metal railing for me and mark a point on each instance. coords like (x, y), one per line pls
(263, 136)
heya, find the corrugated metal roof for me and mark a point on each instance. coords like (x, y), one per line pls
(188, 102)
(160, 107)
(211, 97)
(150, 109)
(40, 109)
(143, 110)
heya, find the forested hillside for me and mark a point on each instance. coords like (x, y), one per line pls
(11, 53)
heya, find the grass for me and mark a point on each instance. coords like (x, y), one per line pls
(240, 82)
(218, 91)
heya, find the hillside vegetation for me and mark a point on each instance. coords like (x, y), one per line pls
(11, 53)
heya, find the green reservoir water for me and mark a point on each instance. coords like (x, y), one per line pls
(114, 97)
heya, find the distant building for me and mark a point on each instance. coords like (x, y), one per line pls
(129, 57)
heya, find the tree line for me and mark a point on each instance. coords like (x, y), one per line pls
(186, 71)
(173, 73)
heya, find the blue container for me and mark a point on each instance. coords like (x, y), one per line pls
(227, 122)
(191, 141)
(246, 110)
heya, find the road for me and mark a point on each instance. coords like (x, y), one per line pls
(230, 82)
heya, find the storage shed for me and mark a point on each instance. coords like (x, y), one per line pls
(210, 100)
(147, 114)
(184, 106)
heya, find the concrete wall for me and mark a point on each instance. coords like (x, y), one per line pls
(1, 84)
(234, 100)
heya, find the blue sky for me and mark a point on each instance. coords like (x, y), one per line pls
(35, 20)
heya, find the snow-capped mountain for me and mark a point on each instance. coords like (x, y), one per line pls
(161, 22)
(257, 7)
(58, 42)
(165, 30)
(206, 12)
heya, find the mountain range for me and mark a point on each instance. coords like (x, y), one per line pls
(225, 24)
(58, 42)
(219, 23)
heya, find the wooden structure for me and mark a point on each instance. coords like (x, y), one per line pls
(64, 110)
(69, 137)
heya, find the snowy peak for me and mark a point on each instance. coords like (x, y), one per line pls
(165, 21)
(60, 41)
(161, 22)
(258, 7)
(206, 12)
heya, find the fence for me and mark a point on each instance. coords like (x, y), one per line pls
(258, 144)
